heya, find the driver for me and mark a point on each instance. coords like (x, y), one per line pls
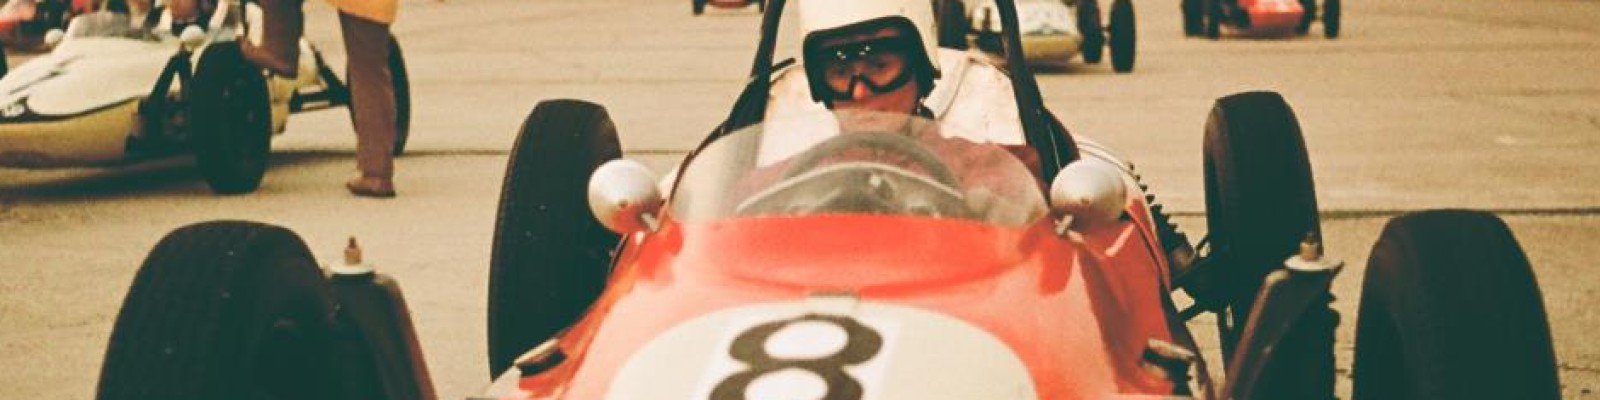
(877, 58)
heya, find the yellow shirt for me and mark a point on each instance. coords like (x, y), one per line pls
(376, 10)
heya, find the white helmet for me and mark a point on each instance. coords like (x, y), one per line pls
(823, 17)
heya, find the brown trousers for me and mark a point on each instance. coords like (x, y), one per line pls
(372, 106)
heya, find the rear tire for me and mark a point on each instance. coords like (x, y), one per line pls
(699, 6)
(230, 120)
(224, 308)
(1260, 204)
(1310, 15)
(1124, 39)
(1330, 18)
(551, 257)
(953, 24)
(401, 79)
(1450, 309)
(1193, 18)
(1213, 18)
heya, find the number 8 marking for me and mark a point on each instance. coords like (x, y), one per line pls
(861, 344)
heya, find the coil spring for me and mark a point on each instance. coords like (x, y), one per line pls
(1172, 239)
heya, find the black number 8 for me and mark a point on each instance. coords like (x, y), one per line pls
(861, 344)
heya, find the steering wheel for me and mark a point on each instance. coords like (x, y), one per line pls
(879, 141)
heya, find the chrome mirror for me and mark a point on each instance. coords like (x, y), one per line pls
(624, 197)
(1090, 192)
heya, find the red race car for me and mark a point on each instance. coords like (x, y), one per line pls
(1258, 17)
(804, 253)
(700, 5)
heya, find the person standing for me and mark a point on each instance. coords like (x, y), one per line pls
(365, 27)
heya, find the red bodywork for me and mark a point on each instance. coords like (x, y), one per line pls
(1272, 16)
(1077, 310)
(730, 3)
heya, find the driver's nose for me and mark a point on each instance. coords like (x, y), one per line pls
(860, 91)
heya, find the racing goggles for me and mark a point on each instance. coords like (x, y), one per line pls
(882, 65)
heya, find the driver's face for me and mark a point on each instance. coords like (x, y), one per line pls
(877, 67)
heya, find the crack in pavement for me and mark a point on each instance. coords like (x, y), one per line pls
(1579, 368)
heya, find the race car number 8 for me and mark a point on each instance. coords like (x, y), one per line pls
(776, 351)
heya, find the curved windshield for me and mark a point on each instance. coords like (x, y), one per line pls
(852, 162)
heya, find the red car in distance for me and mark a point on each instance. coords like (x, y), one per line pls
(1259, 18)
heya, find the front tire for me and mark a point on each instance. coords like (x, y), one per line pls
(1124, 38)
(550, 257)
(224, 308)
(1450, 309)
(230, 120)
(1260, 204)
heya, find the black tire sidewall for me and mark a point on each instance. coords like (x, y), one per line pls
(400, 78)
(1450, 308)
(1124, 36)
(230, 119)
(1260, 197)
(1260, 204)
(196, 321)
(550, 257)
(953, 24)
(1331, 10)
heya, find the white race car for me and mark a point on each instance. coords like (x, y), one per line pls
(116, 90)
(1054, 32)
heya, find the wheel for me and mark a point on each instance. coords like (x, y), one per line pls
(699, 6)
(1450, 309)
(1213, 18)
(1192, 18)
(1330, 18)
(953, 24)
(401, 81)
(1310, 15)
(550, 257)
(1124, 39)
(230, 122)
(1260, 204)
(1094, 34)
(5, 66)
(222, 308)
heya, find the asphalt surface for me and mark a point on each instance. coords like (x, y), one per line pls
(1421, 104)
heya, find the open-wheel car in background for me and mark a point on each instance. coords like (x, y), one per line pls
(699, 6)
(847, 254)
(116, 89)
(1259, 18)
(1054, 32)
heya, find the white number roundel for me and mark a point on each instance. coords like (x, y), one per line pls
(788, 351)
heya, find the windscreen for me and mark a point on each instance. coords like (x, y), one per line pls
(857, 163)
